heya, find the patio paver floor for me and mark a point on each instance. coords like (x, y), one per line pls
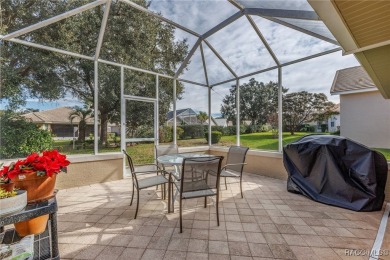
(96, 222)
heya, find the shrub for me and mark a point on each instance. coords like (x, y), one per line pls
(20, 137)
(307, 128)
(179, 132)
(165, 134)
(193, 131)
(144, 131)
(242, 129)
(265, 128)
(252, 129)
(336, 133)
(215, 136)
(216, 128)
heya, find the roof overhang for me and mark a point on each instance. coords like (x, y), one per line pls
(361, 28)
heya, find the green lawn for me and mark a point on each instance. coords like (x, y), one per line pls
(144, 153)
(261, 141)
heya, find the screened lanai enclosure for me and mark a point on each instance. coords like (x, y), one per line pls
(200, 53)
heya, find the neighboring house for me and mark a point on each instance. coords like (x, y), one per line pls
(57, 122)
(185, 116)
(364, 113)
(217, 122)
(188, 116)
(334, 120)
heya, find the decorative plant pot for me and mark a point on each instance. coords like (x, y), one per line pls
(39, 188)
(32, 226)
(7, 186)
(13, 204)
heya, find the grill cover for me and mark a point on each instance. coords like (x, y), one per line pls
(336, 171)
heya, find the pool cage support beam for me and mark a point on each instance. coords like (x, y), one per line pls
(102, 29)
(174, 113)
(156, 114)
(238, 112)
(53, 20)
(209, 112)
(280, 111)
(123, 111)
(95, 108)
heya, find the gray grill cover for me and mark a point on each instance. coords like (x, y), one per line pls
(336, 171)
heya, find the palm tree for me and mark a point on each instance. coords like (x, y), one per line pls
(202, 117)
(82, 114)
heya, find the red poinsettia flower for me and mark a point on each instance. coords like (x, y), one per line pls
(51, 162)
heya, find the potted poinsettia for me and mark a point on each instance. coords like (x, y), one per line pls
(5, 182)
(37, 175)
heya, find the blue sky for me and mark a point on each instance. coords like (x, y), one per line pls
(242, 49)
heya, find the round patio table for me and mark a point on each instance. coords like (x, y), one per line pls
(177, 159)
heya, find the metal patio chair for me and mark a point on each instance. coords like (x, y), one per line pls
(146, 182)
(164, 150)
(235, 164)
(199, 178)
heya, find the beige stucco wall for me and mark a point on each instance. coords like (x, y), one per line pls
(90, 169)
(365, 118)
(271, 165)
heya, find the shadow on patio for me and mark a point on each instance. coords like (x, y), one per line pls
(96, 222)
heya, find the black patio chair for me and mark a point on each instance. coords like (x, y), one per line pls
(235, 164)
(199, 178)
(146, 182)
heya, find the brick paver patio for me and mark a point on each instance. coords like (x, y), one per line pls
(96, 222)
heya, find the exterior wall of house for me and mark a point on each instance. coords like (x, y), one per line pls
(62, 130)
(365, 118)
(334, 123)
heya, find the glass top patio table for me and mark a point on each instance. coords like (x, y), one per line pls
(177, 159)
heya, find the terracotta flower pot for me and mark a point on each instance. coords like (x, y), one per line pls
(33, 226)
(39, 188)
(7, 186)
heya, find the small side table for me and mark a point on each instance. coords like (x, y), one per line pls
(45, 244)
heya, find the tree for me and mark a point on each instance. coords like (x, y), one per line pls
(202, 117)
(82, 114)
(257, 102)
(131, 38)
(301, 107)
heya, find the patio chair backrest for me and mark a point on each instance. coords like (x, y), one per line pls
(131, 166)
(236, 154)
(166, 149)
(200, 173)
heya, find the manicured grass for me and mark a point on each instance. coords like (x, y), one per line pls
(261, 141)
(144, 152)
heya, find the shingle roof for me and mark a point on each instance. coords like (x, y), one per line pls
(352, 79)
(179, 111)
(58, 115)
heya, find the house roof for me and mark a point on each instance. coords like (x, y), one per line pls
(361, 28)
(352, 80)
(220, 121)
(58, 115)
(180, 111)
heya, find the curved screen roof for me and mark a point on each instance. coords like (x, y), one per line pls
(227, 40)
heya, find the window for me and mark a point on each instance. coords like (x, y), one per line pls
(331, 124)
